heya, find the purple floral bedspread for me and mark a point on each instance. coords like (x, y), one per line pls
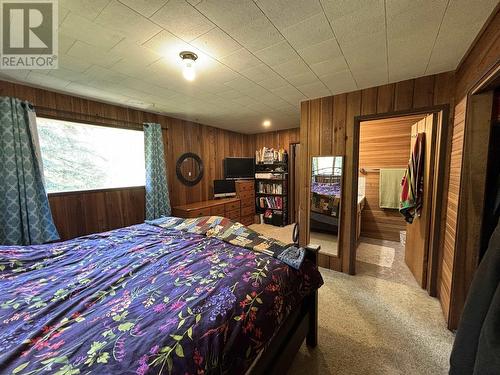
(325, 188)
(142, 299)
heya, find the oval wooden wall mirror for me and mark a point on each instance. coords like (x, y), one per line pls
(189, 169)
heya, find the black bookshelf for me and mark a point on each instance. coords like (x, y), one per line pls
(271, 194)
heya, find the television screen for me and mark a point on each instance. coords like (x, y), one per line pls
(224, 187)
(239, 168)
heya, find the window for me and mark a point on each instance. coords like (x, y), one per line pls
(85, 157)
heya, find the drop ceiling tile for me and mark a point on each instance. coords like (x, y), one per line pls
(67, 74)
(87, 8)
(314, 89)
(462, 22)
(284, 13)
(259, 73)
(339, 82)
(89, 32)
(273, 83)
(120, 18)
(229, 15)
(92, 54)
(72, 63)
(145, 7)
(330, 66)
(409, 39)
(370, 77)
(307, 77)
(65, 43)
(230, 93)
(277, 53)
(97, 73)
(314, 29)
(319, 52)
(216, 43)
(257, 34)
(240, 60)
(134, 53)
(46, 80)
(182, 20)
(14, 75)
(291, 67)
(289, 93)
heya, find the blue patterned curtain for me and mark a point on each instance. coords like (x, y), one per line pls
(157, 199)
(25, 216)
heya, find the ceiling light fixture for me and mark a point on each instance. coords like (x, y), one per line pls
(266, 123)
(188, 59)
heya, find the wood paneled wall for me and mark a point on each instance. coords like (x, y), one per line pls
(327, 127)
(459, 259)
(383, 144)
(81, 213)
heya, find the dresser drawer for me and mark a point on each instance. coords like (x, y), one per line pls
(245, 211)
(199, 212)
(244, 186)
(233, 215)
(232, 206)
(248, 202)
(247, 194)
(217, 210)
(247, 220)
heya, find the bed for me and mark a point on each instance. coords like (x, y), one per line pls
(153, 299)
(325, 202)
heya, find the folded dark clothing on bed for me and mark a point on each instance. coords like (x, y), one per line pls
(236, 234)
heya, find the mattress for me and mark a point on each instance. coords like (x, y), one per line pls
(142, 299)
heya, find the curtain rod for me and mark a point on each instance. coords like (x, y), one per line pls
(72, 114)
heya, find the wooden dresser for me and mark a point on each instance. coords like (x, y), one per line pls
(245, 191)
(227, 207)
(241, 208)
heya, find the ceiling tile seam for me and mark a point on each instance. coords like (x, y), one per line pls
(156, 11)
(64, 19)
(251, 53)
(298, 54)
(102, 10)
(386, 41)
(338, 44)
(436, 38)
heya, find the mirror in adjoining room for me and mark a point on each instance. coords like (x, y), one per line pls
(326, 190)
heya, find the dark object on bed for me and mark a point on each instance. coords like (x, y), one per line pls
(145, 298)
(476, 349)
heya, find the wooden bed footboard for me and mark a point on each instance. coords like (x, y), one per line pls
(302, 324)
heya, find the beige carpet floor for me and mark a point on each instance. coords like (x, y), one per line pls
(376, 323)
(369, 325)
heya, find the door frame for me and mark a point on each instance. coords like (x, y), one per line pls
(291, 190)
(438, 194)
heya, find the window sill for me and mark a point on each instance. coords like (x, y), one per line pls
(91, 191)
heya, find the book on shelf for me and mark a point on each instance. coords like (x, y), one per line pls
(269, 188)
(270, 155)
(275, 203)
(269, 176)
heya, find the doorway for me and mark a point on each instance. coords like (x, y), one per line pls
(389, 243)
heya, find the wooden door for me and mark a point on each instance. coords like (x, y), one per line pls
(418, 233)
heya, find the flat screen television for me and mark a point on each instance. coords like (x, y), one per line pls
(224, 188)
(239, 168)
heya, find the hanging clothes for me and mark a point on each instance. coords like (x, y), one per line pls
(476, 349)
(412, 185)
